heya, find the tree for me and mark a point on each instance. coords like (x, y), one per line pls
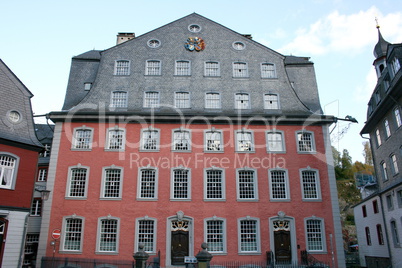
(368, 156)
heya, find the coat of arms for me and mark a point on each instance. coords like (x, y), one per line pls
(194, 44)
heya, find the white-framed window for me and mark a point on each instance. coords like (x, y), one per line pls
(397, 115)
(194, 28)
(238, 45)
(183, 68)
(213, 140)
(153, 43)
(77, 183)
(242, 101)
(82, 138)
(122, 67)
(378, 137)
(394, 164)
(36, 207)
(377, 97)
(153, 67)
(108, 235)
(212, 68)
(182, 100)
(87, 86)
(271, 101)
(181, 184)
(215, 235)
(395, 65)
(315, 234)
(116, 138)
(368, 235)
(275, 141)
(118, 99)
(8, 170)
(240, 69)
(146, 234)
(147, 183)
(212, 100)
(214, 184)
(395, 233)
(247, 184)
(387, 129)
(383, 167)
(181, 140)
(305, 142)
(150, 139)
(42, 174)
(112, 182)
(151, 99)
(279, 185)
(310, 181)
(390, 202)
(244, 140)
(73, 233)
(249, 235)
(268, 70)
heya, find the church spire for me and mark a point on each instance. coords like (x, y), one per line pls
(380, 48)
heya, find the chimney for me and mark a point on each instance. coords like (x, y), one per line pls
(123, 37)
(248, 36)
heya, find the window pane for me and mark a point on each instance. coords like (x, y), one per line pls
(180, 183)
(271, 101)
(83, 138)
(212, 101)
(7, 166)
(112, 183)
(150, 139)
(181, 141)
(182, 68)
(314, 235)
(248, 235)
(212, 68)
(275, 142)
(305, 142)
(215, 235)
(108, 236)
(153, 68)
(397, 117)
(268, 70)
(77, 182)
(246, 184)
(72, 240)
(242, 101)
(148, 179)
(213, 141)
(122, 67)
(116, 138)
(240, 69)
(182, 100)
(278, 185)
(151, 100)
(119, 99)
(214, 184)
(244, 141)
(146, 234)
(310, 190)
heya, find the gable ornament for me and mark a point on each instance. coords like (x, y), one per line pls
(194, 44)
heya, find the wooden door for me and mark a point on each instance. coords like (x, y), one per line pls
(179, 247)
(283, 251)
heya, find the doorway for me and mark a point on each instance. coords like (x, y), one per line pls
(180, 247)
(283, 250)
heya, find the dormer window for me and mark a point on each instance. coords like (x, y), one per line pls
(395, 65)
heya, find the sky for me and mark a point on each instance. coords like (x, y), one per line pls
(39, 38)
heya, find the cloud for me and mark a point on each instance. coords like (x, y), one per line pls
(344, 33)
(363, 92)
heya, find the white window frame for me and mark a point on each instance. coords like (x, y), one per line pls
(153, 67)
(118, 99)
(210, 182)
(151, 99)
(112, 139)
(395, 65)
(242, 101)
(221, 237)
(69, 186)
(211, 101)
(42, 174)
(106, 183)
(384, 172)
(143, 186)
(213, 141)
(273, 140)
(36, 207)
(397, 116)
(82, 142)
(284, 185)
(8, 164)
(182, 100)
(394, 233)
(173, 184)
(179, 139)
(268, 70)
(241, 185)
(240, 69)
(322, 232)
(100, 233)
(378, 137)
(387, 129)
(301, 143)
(368, 235)
(122, 67)
(64, 235)
(144, 139)
(271, 101)
(182, 68)
(212, 69)
(310, 184)
(241, 142)
(394, 164)
(150, 234)
(257, 234)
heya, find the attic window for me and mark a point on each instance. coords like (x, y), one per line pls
(239, 45)
(153, 43)
(14, 116)
(194, 28)
(87, 86)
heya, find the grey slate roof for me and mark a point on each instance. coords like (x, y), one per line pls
(295, 83)
(15, 97)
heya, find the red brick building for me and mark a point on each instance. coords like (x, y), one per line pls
(192, 133)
